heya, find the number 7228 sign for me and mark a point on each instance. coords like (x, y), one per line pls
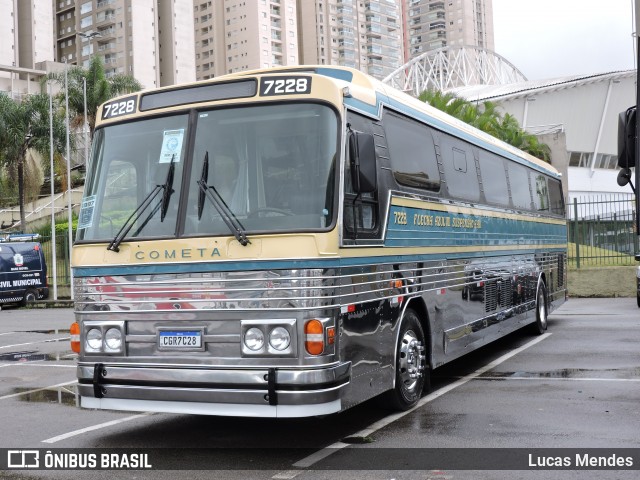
(123, 106)
(270, 86)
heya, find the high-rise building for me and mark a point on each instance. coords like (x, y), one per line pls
(433, 24)
(26, 33)
(152, 40)
(237, 35)
(366, 35)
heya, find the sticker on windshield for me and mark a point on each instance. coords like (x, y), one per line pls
(171, 145)
(85, 219)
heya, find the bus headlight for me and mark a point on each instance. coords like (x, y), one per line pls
(254, 339)
(113, 340)
(101, 337)
(94, 340)
(279, 338)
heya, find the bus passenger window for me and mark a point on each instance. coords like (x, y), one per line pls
(540, 193)
(556, 197)
(519, 185)
(413, 156)
(494, 179)
(459, 169)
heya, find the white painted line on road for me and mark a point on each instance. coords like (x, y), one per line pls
(319, 455)
(64, 436)
(8, 333)
(13, 395)
(51, 340)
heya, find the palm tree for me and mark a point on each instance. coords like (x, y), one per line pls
(487, 118)
(99, 90)
(23, 126)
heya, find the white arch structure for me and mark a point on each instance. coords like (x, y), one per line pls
(452, 67)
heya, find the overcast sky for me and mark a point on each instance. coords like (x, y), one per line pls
(552, 38)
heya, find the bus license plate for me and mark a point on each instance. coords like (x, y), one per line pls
(180, 339)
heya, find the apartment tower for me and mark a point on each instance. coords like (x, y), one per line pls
(433, 24)
(366, 35)
(152, 40)
(237, 35)
(26, 33)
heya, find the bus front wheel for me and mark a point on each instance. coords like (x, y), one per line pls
(412, 371)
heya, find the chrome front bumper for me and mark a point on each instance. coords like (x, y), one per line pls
(269, 392)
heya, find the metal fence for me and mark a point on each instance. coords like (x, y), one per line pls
(601, 230)
(63, 263)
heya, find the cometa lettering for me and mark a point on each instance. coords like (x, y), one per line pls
(184, 253)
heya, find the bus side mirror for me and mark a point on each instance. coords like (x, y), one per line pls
(627, 138)
(362, 154)
(624, 177)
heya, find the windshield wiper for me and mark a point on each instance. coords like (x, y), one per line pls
(210, 192)
(167, 190)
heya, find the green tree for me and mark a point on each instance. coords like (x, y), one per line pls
(100, 88)
(24, 126)
(487, 118)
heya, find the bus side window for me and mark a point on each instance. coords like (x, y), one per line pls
(412, 151)
(556, 197)
(519, 186)
(540, 192)
(494, 179)
(459, 169)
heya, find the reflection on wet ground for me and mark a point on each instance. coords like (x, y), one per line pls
(34, 355)
(615, 373)
(63, 395)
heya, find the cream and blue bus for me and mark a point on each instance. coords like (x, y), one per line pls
(292, 242)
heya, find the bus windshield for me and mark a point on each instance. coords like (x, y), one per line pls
(255, 169)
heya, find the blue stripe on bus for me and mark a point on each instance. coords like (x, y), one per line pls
(288, 264)
(413, 227)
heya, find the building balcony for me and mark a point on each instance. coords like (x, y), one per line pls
(64, 5)
(104, 3)
(106, 19)
(107, 33)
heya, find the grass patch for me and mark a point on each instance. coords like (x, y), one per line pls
(598, 257)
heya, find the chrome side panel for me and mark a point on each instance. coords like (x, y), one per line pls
(470, 302)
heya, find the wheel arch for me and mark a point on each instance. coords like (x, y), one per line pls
(418, 305)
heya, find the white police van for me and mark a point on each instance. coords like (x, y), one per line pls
(23, 273)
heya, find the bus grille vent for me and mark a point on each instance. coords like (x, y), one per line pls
(505, 293)
(490, 296)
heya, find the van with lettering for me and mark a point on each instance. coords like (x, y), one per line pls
(23, 273)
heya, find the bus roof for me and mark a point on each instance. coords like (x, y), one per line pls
(366, 94)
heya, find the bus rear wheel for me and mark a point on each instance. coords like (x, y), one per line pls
(412, 371)
(540, 325)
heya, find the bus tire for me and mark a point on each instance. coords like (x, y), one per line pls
(540, 325)
(412, 371)
(30, 296)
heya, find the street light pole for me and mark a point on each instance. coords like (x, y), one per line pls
(54, 258)
(86, 124)
(66, 116)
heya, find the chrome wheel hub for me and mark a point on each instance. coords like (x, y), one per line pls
(412, 360)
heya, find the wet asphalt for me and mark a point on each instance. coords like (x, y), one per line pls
(576, 388)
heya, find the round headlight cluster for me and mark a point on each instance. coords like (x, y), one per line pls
(111, 341)
(279, 339)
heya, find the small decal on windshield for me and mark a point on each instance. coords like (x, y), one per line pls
(85, 219)
(171, 145)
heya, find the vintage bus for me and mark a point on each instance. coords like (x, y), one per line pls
(292, 242)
